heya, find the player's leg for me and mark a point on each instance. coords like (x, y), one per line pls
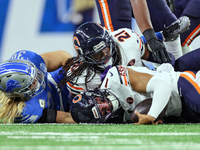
(172, 33)
(191, 9)
(189, 90)
(161, 15)
(189, 61)
(170, 36)
(115, 14)
(193, 12)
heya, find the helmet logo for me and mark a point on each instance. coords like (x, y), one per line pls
(12, 84)
(99, 46)
(94, 111)
(77, 45)
(77, 98)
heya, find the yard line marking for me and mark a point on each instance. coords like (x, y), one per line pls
(94, 134)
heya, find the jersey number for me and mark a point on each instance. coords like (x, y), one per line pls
(122, 35)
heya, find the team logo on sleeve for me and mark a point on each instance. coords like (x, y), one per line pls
(131, 63)
(129, 100)
(43, 67)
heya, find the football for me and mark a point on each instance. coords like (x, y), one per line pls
(143, 108)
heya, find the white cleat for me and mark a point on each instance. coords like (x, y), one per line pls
(179, 26)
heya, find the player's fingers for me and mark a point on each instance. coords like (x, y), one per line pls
(164, 56)
(158, 122)
(137, 113)
(157, 57)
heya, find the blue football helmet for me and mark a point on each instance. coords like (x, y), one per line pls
(95, 106)
(90, 39)
(21, 78)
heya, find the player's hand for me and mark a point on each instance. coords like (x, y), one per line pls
(144, 119)
(165, 67)
(158, 50)
(156, 46)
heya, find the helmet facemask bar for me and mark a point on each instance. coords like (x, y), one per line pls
(106, 104)
(109, 45)
(36, 85)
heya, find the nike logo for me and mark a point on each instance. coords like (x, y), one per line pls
(111, 74)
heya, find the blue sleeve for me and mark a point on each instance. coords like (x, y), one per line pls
(32, 111)
(158, 34)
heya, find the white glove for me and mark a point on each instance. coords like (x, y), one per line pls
(165, 67)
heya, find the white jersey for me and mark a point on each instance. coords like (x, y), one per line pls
(117, 82)
(131, 49)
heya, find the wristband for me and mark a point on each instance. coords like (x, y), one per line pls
(149, 34)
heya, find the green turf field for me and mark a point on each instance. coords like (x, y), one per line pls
(99, 137)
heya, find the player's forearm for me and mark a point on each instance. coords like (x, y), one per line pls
(64, 117)
(55, 59)
(141, 13)
(161, 93)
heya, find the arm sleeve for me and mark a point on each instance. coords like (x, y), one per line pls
(48, 116)
(161, 93)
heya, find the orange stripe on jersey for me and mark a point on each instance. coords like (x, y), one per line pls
(192, 82)
(192, 73)
(140, 43)
(125, 80)
(191, 36)
(106, 84)
(106, 15)
(77, 88)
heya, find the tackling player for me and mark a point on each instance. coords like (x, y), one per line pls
(29, 94)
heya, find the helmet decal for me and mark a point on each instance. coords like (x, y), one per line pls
(22, 78)
(77, 98)
(77, 45)
(12, 84)
(99, 46)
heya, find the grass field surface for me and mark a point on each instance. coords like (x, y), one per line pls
(99, 137)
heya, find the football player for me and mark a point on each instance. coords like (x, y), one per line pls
(30, 94)
(191, 9)
(116, 14)
(98, 50)
(151, 14)
(125, 87)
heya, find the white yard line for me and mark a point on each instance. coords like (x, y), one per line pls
(95, 134)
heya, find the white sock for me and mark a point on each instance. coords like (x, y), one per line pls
(186, 49)
(174, 47)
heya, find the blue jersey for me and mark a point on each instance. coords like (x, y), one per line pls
(49, 98)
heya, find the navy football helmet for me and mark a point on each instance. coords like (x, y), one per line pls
(21, 78)
(91, 40)
(95, 106)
